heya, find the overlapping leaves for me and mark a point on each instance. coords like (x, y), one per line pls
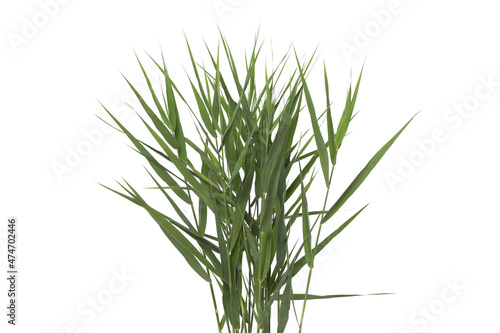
(239, 175)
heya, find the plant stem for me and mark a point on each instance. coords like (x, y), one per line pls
(215, 305)
(305, 297)
(259, 306)
(314, 253)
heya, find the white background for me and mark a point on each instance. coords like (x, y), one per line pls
(435, 226)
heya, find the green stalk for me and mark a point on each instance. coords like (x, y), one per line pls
(259, 304)
(314, 252)
(219, 327)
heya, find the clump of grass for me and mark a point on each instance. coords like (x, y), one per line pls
(245, 176)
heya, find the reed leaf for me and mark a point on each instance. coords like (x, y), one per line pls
(231, 185)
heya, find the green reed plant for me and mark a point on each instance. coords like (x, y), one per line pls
(244, 176)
